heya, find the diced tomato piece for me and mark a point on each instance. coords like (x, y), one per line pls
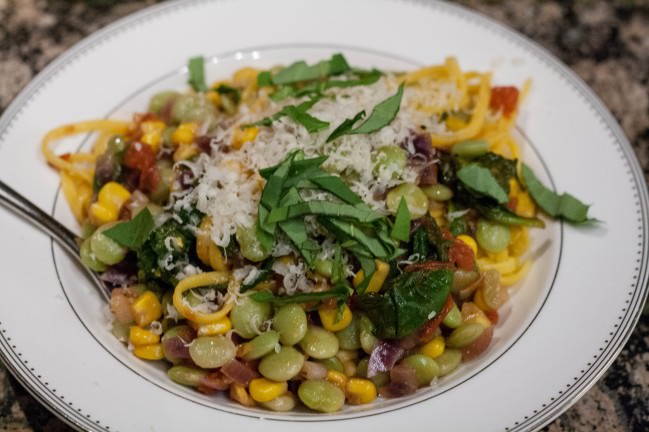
(462, 255)
(504, 99)
(140, 157)
(428, 330)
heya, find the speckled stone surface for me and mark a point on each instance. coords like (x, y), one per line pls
(605, 42)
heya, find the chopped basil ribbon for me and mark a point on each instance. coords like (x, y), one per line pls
(196, 66)
(133, 233)
(564, 206)
(482, 180)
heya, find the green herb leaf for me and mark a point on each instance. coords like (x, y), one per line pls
(226, 90)
(364, 78)
(407, 303)
(482, 181)
(337, 187)
(340, 292)
(323, 208)
(345, 127)
(401, 228)
(382, 114)
(564, 206)
(133, 233)
(300, 71)
(196, 66)
(296, 231)
(311, 123)
(501, 168)
(264, 79)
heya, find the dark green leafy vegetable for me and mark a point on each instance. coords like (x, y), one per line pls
(501, 168)
(339, 292)
(564, 206)
(133, 233)
(504, 216)
(481, 180)
(407, 303)
(154, 255)
(420, 246)
(401, 228)
(359, 212)
(196, 66)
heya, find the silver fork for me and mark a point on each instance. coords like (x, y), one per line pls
(20, 205)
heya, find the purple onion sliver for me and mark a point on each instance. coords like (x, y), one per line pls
(384, 356)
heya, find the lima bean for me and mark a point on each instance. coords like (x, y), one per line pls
(464, 335)
(319, 343)
(348, 338)
(425, 367)
(448, 361)
(390, 160)
(333, 364)
(283, 365)
(416, 200)
(283, 403)
(260, 345)
(320, 395)
(470, 148)
(290, 322)
(248, 315)
(89, 259)
(251, 247)
(185, 375)
(159, 100)
(192, 108)
(105, 249)
(453, 318)
(492, 237)
(438, 192)
(211, 352)
(366, 334)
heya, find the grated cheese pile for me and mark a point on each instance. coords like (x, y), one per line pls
(229, 187)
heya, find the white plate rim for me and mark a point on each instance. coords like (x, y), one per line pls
(629, 315)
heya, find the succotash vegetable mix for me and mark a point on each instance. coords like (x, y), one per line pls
(310, 235)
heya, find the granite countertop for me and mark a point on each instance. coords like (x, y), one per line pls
(605, 42)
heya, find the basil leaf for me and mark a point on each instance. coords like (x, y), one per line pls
(369, 268)
(407, 302)
(196, 66)
(401, 228)
(340, 292)
(264, 79)
(345, 127)
(564, 206)
(226, 90)
(501, 168)
(482, 181)
(382, 114)
(296, 231)
(282, 93)
(300, 71)
(133, 233)
(311, 123)
(337, 187)
(365, 78)
(323, 208)
(373, 246)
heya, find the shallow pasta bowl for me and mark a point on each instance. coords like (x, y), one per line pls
(565, 323)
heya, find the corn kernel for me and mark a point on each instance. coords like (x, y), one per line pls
(221, 326)
(152, 133)
(184, 152)
(434, 348)
(213, 97)
(100, 214)
(113, 194)
(149, 352)
(139, 337)
(467, 240)
(338, 378)
(524, 205)
(329, 317)
(146, 309)
(244, 77)
(184, 133)
(263, 390)
(243, 136)
(360, 391)
(455, 123)
(240, 394)
(376, 282)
